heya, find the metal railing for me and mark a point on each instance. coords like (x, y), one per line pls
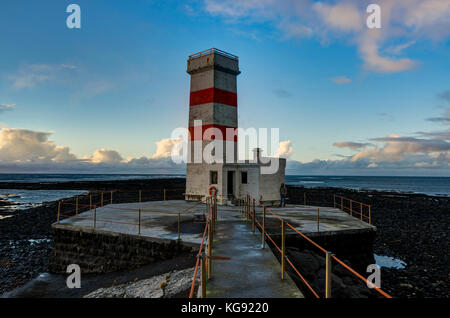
(211, 51)
(251, 214)
(204, 259)
(364, 211)
(352, 207)
(100, 199)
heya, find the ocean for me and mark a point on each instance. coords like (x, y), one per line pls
(22, 199)
(439, 186)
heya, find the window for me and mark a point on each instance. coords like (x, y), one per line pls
(244, 177)
(213, 177)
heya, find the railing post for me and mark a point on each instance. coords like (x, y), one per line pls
(351, 208)
(361, 210)
(283, 234)
(263, 232)
(139, 223)
(342, 203)
(334, 200)
(370, 215)
(318, 221)
(111, 197)
(304, 198)
(140, 195)
(76, 206)
(208, 256)
(90, 201)
(215, 212)
(212, 223)
(203, 276)
(95, 217)
(247, 208)
(179, 226)
(254, 217)
(328, 275)
(59, 210)
(101, 199)
(164, 194)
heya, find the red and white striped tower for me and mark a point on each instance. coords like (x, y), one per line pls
(213, 101)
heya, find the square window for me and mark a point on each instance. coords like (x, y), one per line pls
(244, 177)
(213, 177)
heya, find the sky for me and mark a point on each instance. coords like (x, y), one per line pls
(348, 100)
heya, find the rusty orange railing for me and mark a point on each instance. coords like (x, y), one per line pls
(355, 208)
(204, 261)
(364, 211)
(328, 255)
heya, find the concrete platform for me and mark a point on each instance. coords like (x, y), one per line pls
(304, 218)
(252, 272)
(159, 219)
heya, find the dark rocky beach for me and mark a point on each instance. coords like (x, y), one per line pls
(410, 227)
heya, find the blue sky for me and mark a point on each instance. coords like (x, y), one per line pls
(340, 94)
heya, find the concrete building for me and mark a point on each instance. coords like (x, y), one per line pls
(213, 123)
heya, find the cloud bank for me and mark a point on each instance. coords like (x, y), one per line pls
(29, 151)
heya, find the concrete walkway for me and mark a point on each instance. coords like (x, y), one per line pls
(252, 272)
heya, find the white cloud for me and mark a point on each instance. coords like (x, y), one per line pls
(31, 75)
(105, 155)
(23, 150)
(285, 149)
(397, 148)
(369, 47)
(342, 16)
(164, 148)
(6, 107)
(341, 80)
(405, 21)
(397, 49)
(429, 15)
(21, 145)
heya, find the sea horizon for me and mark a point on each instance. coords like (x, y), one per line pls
(431, 185)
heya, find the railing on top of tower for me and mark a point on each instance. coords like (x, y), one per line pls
(213, 50)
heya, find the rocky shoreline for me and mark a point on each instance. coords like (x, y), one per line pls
(411, 227)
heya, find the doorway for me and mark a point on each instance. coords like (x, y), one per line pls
(230, 184)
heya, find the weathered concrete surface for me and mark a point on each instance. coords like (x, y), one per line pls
(304, 219)
(159, 219)
(118, 244)
(252, 272)
(169, 285)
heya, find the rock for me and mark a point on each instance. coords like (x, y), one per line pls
(168, 285)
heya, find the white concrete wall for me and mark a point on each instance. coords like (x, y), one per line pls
(252, 186)
(213, 113)
(198, 179)
(269, 184)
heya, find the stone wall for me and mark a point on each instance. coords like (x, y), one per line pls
(353, 246)
(100, 252)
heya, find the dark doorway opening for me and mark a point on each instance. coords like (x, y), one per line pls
(230, 184)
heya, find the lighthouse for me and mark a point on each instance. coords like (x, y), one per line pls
(213, 123)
